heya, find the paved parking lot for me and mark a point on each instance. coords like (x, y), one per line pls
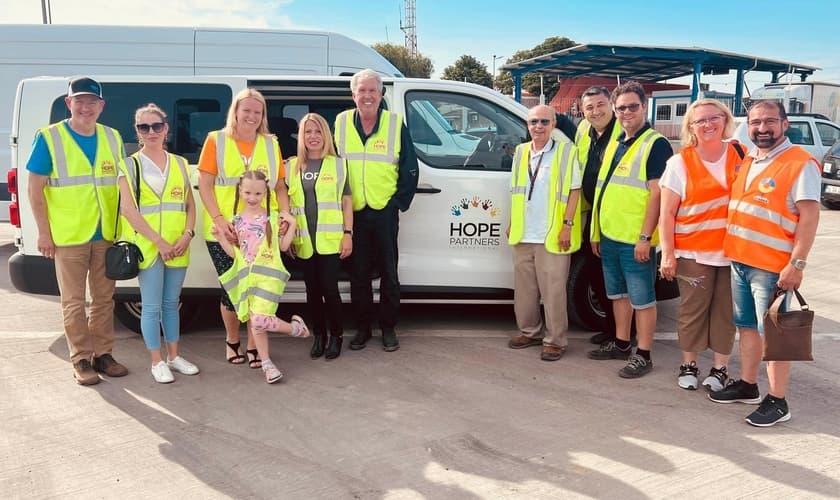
(453, 414)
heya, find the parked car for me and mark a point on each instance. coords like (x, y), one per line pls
(813, 132)
(830, 195)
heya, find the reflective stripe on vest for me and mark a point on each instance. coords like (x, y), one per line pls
(562, 164)
(165, 214)
(700, 223)
(74, 186)
(329, 189)
(372, 165)
(621, 214)
(231, 166)
(761, 229)
(258, 287)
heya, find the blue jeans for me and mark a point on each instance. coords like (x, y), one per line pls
(160, 292)
(751, 292)
(624, 277)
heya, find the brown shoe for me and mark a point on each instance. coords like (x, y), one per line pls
(108, 365)
(521, 342)
(551, 353)
(84, 374)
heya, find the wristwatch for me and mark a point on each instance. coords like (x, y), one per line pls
(190, 232)
(568, 222)
(798, 263)
(644, 237)
(348, 231)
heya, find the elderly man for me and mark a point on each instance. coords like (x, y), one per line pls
(623, 231)
(544, 230)
(383, 174)
(73, 193)
(772, 223)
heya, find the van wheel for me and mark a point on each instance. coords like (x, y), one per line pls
(128, 313)
(831, 205)
(583, 306)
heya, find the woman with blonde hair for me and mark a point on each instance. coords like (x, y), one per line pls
(156, 200)
(243, 144)
(319, 195)
(692, 225)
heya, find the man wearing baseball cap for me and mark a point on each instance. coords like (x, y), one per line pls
(73, 193)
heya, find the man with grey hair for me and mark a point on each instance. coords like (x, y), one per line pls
(544, 231)
(383, 173)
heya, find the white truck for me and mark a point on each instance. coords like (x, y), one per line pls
(452, 240)
(803, 97)
(58, 50)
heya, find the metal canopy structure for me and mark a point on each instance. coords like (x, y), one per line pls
(650, 64)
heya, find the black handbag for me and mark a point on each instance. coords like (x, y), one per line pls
(123, 258)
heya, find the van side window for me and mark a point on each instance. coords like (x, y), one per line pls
(460, 131)
(193, 110)
(829, 134)
(800, 133)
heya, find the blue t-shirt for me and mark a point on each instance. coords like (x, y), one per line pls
(40, 161)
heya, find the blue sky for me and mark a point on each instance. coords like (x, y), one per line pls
(805, 32)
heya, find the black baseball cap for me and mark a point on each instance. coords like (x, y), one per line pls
(82, 86)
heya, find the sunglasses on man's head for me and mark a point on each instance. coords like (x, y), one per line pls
(144, 128)
(542, 121)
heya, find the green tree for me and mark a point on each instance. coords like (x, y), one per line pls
(468, 69)
(418, 66)
(531, 81)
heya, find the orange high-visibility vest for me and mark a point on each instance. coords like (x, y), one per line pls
(700, 224)
(760, 228)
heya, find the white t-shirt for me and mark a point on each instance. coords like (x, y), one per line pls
(536, 209)
(675, 179)
(155, 177)
(806, 187)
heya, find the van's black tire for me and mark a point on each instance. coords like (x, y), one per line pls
(583, 307)
(128, 313)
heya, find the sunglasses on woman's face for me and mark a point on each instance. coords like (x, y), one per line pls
(144, 128)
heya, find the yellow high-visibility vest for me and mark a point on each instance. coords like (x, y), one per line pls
(562, 164)
(80, 196)
(165, 214)
(257, 287)
(329, 188)
(621, 214)
(373, 166)
(265, 158)
(584, 143)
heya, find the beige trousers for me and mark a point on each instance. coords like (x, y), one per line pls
(538, 274)
(76, 266)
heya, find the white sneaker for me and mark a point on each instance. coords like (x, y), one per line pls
(181, 365)
(688, 376)
(162, 374)
(272, 374)
(716, 380)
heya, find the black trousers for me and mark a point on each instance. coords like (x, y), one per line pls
(323, 302)
(375, 248)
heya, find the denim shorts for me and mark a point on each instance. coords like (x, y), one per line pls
(751, 292)
(624, 277)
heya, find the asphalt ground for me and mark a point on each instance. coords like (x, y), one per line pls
(454, 414)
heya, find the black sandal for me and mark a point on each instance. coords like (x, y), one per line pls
(236, 359)
(256, 362)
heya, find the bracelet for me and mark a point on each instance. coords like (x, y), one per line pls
(216, 216)
(190, 232)
(348, 231)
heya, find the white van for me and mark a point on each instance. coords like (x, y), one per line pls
(452, 240)
(60, 50)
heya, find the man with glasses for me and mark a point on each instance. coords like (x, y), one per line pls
(771, 227)
(544, 230)
(625, 213)
(598, 129)
(73, 193)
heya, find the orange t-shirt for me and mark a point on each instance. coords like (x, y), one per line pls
(207, 159)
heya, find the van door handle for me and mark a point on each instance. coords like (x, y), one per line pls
(427, 188)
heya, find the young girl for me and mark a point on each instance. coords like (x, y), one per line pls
(257, 278)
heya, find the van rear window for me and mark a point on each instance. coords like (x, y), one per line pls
(193, 110)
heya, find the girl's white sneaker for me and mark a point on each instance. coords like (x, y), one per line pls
(183, 366)
(162, 374)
